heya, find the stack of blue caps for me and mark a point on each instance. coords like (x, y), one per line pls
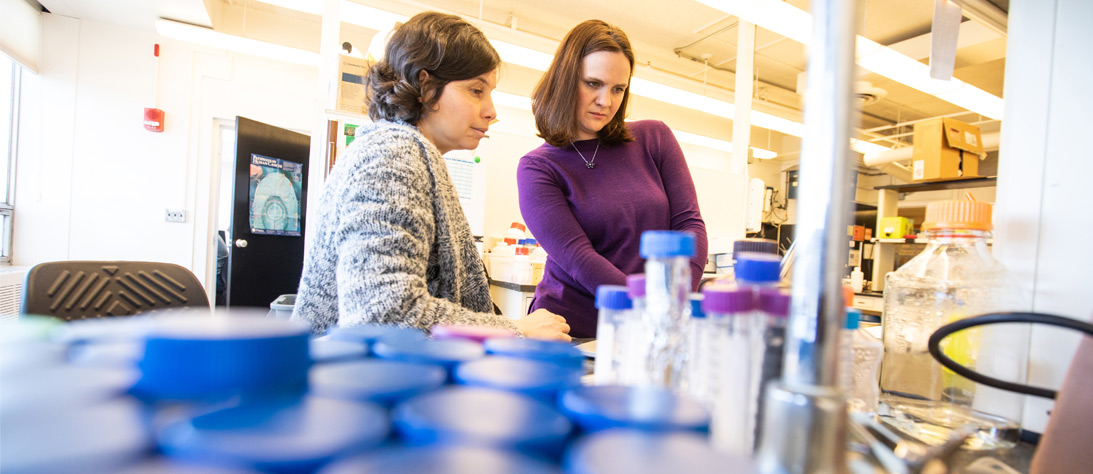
(596, 408)
(385, 382)
(197, 357)
(483, 417)
(446, 353)
(448, 459)
(640, 452)
(281, 436)
(370, 334)
(540, 380)
(560, 353)
(757, 268)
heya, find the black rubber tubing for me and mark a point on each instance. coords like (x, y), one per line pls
(999, 318)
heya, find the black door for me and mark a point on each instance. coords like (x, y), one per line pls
(267, 231)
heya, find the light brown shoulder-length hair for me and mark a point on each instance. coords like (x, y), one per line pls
(554, 100)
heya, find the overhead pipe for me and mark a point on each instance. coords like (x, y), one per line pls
(991, 142)
(805, 425)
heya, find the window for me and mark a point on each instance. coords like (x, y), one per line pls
(9, 128)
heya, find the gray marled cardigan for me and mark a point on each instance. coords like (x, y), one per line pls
(392, 244)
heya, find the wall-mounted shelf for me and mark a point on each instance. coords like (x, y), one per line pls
(940, 185)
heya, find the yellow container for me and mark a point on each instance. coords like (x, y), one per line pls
(895, 227)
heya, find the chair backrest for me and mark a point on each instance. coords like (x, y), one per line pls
(86, 289)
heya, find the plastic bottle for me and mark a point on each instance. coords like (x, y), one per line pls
(634, 336)
(667, 284)
(861, 366)
(955, 277)
(701, 355)
(614, 307)
(516, 231)
(730, 309)
(501, 260)
(773, 306)
(538, 259)
(857, 280)
(521, 266)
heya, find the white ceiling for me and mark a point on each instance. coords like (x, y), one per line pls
(667, 36)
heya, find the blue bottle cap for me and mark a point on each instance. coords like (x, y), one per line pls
(561, 353)
(537, 379)
(166, 465)
(98, 438)
(62, 387)
(853, 318)
(667, 243)
(297, 436)
(445, 353)
(696, 305)
(650, 453)
(448, 459)
(757, 268)
(369, 334)
(595, 408)
(385, 382)
(484, 417)
(613, 297)
(194, 357)
(331, 350)
(531, 241)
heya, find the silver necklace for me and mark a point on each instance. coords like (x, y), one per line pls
(589, 163)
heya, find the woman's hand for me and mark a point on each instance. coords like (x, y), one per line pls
(542, 324)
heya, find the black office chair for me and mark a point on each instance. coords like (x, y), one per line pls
(84, 289)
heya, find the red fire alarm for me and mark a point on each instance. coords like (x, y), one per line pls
(153, 116)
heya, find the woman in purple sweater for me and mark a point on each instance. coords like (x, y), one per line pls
(598, 182)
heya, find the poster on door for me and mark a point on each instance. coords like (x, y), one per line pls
(276, 186)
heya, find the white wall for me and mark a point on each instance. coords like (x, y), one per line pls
(92, 184)
(1042, 214)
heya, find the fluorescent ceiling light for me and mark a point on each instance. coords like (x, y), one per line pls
(796, 24)
(521, 56)
(863, 147)
(511, 100)
(215, 39)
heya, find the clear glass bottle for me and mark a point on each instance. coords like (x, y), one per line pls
(615, 309)
(955, 277)
(634, 336)
(863, 354)
(667, 284)
(701, 354)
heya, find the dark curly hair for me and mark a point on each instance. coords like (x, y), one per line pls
(445, 46)
(554, 100)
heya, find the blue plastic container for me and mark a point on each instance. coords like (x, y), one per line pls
(384, 382)
(445, 353)
(483, 417)
(560, 353)
(332, 350)
(97, 438)
(540, 380)
(191, 357)
(625, 451)
(447, 459)
(277, 437)
(370, 334)
(596, 408)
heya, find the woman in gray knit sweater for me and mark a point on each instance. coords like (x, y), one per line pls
(393, 245)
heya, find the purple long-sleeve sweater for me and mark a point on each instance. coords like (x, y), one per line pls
(590, 220)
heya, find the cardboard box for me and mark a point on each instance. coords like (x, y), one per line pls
(351, 87)
(946, 149)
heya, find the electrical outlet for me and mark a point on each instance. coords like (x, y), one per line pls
(176, 215)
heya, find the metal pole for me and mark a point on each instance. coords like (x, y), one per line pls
(805, 427)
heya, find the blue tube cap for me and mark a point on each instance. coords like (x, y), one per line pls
(561, 353)
(450, 459)
(757, 268)
(696, 305)
(445, 353)
(296, 436)
(650, 453)
(483, 417)
(613, 297)
(537, 379)
(596, 408)
(667, 243)
(193, 357)
(384, 382)
(370, 334)
(325, 349)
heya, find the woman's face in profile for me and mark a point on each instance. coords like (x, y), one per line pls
(605, 75)
(462, 115)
